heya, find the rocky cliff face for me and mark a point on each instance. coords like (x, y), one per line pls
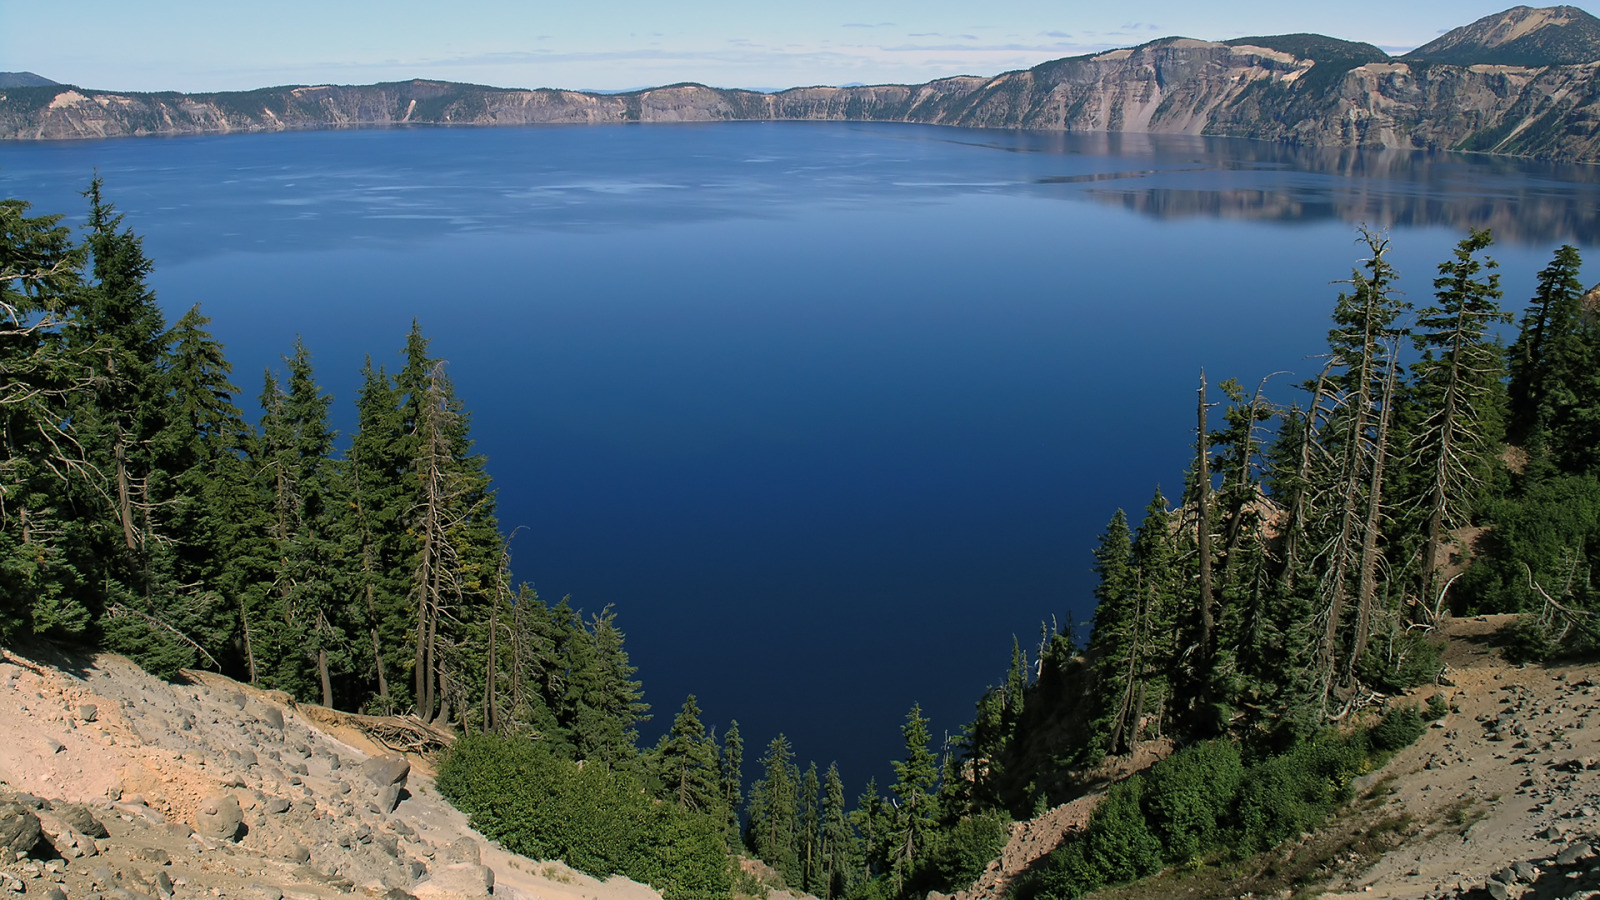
(1174, 85)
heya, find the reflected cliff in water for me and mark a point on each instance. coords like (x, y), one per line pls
(1522, 201)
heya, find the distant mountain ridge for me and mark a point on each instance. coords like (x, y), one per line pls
(1458, 93)
(23, 79)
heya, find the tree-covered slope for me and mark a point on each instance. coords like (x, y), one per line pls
(1522, 36)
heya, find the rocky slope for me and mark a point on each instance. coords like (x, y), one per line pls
(1499, 799)
(1300, 88)
(116, 786)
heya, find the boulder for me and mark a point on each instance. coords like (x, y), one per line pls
(19, 829)
(68, 842)
(386, 770)
(219, 817)
(459, 881)
(80, 818)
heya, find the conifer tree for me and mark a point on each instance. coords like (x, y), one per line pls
(1458, 386)
(733, 778)
(376, 539)
(40, 273)
(809, 825)
(771, 827)
(1547, 349)
(915, 790)
(686, 763)
(837, 841)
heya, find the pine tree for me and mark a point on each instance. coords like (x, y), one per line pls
(1115, 638)
(837, 843)
(771, 827)
(381, 491)
(121, 533)
(733, 778)
(1546, 350)
(916, 812)
(686, 763)
(40, 274)
(1355, 439)
(809, 822)
(1458, 386)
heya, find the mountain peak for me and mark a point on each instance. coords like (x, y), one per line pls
(1520, 36)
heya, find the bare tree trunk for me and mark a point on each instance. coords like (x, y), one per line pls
(1203, 510)
(1368, 589)
(124, 495)
(490, 713)
(249, 645)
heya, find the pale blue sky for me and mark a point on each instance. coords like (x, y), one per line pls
(190, 45)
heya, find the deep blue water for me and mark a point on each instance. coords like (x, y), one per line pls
(827, 412)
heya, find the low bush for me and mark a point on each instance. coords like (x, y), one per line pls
(598, 820)
(1204, 800)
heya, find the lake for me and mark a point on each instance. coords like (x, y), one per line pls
(827, 412)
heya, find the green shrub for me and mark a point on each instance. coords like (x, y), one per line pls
(961, 853)
(1288, 794)
(599, 820)
(1116, 848)
(1399, 728)
(1190, 793)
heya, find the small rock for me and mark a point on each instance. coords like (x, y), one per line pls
(53, 745)
(267, 891)
(103, 877)
(1574, 853)
(276, 805)
(298, 853)
(1495, 889)
(55, 893)
(88, 712)
(153, 854)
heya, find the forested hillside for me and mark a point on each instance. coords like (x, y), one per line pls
(1255, 618)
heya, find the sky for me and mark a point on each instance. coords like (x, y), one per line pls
(201, 45)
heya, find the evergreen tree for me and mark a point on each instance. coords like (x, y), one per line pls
(916, 811)
(733, 778)
(837, 842)
(1458, 387)
(40, 274)
(686, 764)
(771, 827)
(808, 820)
(1547, 350)
(382, 495)
(120, 534)
(1115, 638)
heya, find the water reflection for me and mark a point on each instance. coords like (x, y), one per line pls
(337, 190)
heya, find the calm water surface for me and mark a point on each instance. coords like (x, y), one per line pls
(827, 412)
